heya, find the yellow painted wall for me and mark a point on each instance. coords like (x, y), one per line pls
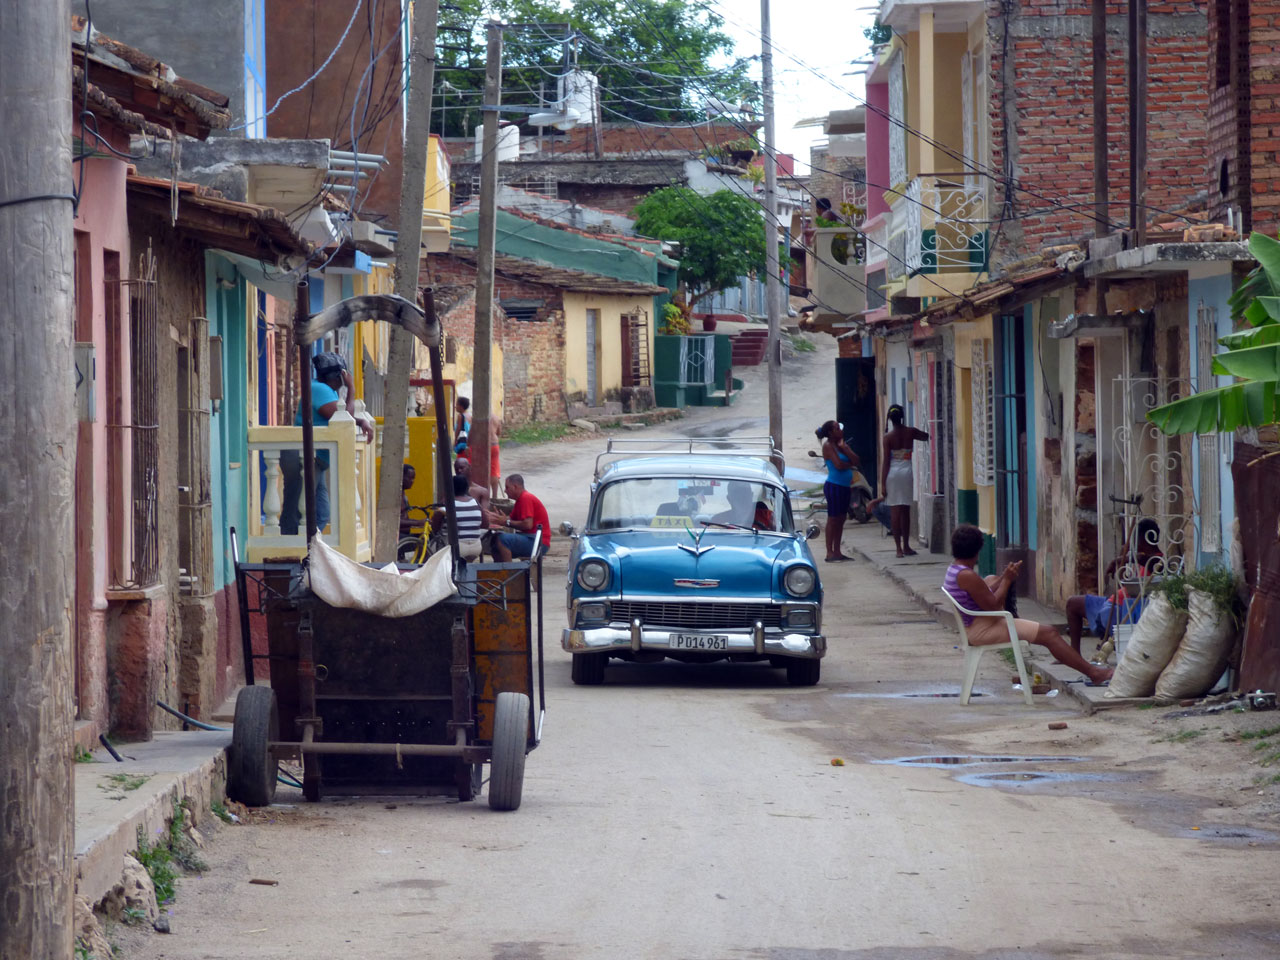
(609, 338)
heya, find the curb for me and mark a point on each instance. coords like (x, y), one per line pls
(104, 838)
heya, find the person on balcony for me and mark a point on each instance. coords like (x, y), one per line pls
(897, 485)
(330, 375)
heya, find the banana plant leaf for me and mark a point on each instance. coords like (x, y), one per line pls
(1223, 410)
(1256, 363)
(1257, 337)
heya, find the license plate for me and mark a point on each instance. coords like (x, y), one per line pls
(697, 641)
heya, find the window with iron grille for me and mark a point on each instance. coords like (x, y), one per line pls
(1210, 492)
(143, 563)
(981, 388)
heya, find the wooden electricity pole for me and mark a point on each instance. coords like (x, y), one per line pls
(38, 436)
(486, 227)
(772, 293)
(422, 68)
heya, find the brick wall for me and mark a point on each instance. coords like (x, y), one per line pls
(1262, 142)
(532, 350)
(1227, 81)
(1044, 126)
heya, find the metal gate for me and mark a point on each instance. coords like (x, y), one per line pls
(1151, 474)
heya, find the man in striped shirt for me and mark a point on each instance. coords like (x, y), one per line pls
(469, 518)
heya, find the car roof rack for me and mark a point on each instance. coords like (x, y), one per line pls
(625, 448)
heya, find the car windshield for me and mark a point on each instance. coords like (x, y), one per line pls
(680, 502)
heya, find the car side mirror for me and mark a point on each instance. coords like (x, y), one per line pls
(811, 531)
(566, 528)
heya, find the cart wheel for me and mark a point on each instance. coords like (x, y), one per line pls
(510, 739)
(588, 668)
(251, 768)
(803, 673)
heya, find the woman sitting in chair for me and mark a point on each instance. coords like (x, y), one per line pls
(974, 592)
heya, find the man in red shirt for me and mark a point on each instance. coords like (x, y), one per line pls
(528, 515)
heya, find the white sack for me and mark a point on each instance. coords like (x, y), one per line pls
(342, 582)
(1154, 640)
(1203, 653)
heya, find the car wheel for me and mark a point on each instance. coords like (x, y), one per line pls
(803, 673)
(588, 668)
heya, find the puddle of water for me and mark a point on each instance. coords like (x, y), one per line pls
(974, 760)
(904, 696)
(1033, 777)
(1242, 834)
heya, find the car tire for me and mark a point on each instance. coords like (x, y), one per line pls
(803, 673)
(510, 741)
(588, 668)
(251, 767)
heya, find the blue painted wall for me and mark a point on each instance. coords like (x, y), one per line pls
(228, 439)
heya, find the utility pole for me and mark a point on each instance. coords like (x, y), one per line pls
(772, 292)
(422, 69)
(1101, 213)
(1138, 120)
(482, 377)
(37, 387)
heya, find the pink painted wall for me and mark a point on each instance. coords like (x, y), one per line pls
(877, 148)
(102, 227)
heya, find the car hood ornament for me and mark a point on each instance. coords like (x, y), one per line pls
(697, 549)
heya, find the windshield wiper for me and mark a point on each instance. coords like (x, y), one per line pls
(726, 526)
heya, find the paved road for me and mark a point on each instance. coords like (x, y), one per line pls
(694, 812)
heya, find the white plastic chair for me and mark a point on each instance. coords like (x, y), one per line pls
(973, 654)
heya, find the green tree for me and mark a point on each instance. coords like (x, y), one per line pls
(721, 235)
(670, 49)
(1252, 356)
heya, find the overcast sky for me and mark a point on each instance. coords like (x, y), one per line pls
(825, 35)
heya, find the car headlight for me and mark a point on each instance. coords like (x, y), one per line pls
(593, 574)
(799, 581)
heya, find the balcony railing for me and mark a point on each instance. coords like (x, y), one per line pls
(278, 528)
(946, 224)
(838, 273)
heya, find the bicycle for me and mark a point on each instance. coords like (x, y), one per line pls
(421, 543)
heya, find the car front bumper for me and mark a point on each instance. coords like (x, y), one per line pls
(759, 641)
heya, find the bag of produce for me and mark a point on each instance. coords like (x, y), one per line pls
(1154, 640)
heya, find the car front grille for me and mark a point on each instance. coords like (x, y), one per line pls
(698, 616)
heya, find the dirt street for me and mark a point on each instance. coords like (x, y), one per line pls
(695, 812)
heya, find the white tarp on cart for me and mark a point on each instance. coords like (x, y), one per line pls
(342, 582)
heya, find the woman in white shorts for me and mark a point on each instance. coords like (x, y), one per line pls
(897, 487)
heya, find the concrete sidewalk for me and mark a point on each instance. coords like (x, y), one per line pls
(921, 577)
(115, 801)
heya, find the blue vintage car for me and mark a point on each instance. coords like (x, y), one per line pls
(692, 556)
